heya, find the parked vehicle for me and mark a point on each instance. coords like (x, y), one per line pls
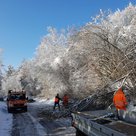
(16, 101)
(88, 124)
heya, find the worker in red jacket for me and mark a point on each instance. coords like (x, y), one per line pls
(65, 100)
(119, 100)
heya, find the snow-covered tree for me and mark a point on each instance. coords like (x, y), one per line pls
(47, 59)
(10, 80)
(83, 60)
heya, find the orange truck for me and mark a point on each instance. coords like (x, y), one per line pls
(16, 101)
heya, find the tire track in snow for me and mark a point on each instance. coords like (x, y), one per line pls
(41, 131)
(25, 124)
(56, 127)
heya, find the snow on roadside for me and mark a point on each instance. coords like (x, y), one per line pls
(5, 120)
(45, 101)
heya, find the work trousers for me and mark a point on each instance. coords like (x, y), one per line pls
(56, 104)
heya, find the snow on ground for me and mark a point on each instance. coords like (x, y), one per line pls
(45, 101)
(5, 120)
(130, 114)
(36, 119)
(39, 120)
(40, 129)
(54, 127)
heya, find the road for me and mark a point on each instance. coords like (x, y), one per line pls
(36, 122)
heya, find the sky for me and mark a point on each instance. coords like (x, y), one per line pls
(23, 23)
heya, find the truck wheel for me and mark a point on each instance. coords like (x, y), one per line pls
(25, 109)
(79, 133)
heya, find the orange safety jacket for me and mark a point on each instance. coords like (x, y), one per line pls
(119, 100)
(56, 100)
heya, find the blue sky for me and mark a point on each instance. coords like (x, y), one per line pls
(24, 22)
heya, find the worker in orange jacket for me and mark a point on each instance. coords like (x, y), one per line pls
(65, 100)
(119, 100)
(57, 101)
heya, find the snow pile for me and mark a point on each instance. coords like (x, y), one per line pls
(5, 120)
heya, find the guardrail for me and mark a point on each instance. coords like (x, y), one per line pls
(94, 128)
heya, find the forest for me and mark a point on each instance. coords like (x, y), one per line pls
(81, 60)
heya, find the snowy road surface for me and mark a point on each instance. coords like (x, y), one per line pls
(25, 125)
(5, 120)
(54, 127)
(34, 122)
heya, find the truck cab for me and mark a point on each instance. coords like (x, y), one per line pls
(16, 100)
